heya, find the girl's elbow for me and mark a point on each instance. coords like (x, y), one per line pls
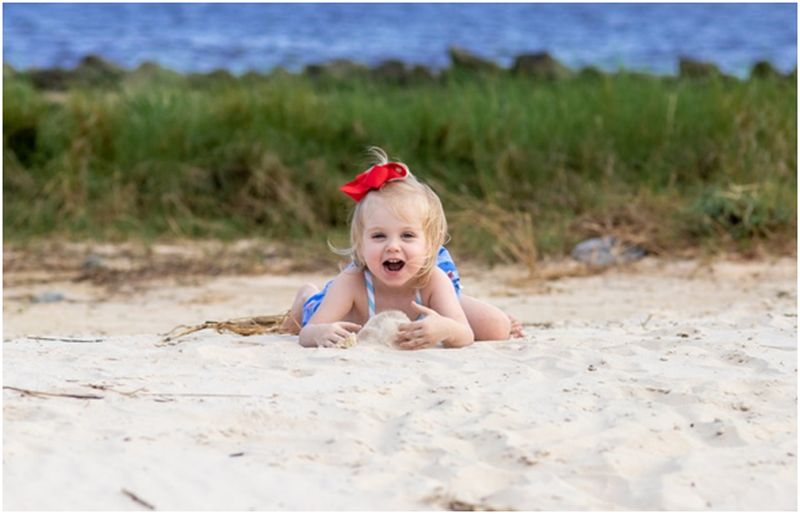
(467, 339)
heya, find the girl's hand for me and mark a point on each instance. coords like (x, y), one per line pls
(332, 335)
(425, 333)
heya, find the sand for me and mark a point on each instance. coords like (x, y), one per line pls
(663, 385)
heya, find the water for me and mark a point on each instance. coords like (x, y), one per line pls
(241, 37)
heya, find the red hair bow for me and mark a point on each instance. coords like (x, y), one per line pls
(373, 178)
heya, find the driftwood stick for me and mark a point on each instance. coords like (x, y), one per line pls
(31, 392)
(133, 394)
(64, 339)
(256, 325)
(138, 500)
(103, 387)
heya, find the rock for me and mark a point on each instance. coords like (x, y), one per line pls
(382, 328)
(421, 73)
(95, 71)
(337, 69)
(540, 65)
(48, 297)
(764, 70)
(691, 68)
(394, 71)
(350, 341)
(50, 79)
(93, 262)
(606, 251)
(149, 72)
(467, 61)
(391, 71)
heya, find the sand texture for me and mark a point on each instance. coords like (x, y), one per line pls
(666, 385)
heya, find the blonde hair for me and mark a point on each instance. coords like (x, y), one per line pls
(399, 195)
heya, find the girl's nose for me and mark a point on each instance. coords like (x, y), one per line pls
(393, 243)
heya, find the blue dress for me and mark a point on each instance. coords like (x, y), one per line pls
(443, 259)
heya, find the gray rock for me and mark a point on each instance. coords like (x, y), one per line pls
(94, 70)
(92, 262)
(691, 68)
(606, 251)
(337, 69)
(540, 65)
(50, 79)
(391, 71)
(421, 73)
(49, 297)
(764, 70)
(464, 60)
(149, 73)
(394, 71)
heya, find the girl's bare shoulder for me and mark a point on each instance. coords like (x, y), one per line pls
(438, 281)
(350, 278)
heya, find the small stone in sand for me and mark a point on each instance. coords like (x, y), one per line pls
(349, 341)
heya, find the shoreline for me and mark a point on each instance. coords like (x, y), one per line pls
(540, 66)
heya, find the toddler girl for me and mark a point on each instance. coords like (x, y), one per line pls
(397, 234)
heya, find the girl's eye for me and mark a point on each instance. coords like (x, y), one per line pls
(377, 236)
(409, 235)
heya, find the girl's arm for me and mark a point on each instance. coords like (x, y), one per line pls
(444, 321)
(327, 326)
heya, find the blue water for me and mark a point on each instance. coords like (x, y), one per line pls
(241, 37)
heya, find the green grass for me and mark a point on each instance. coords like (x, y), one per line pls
(673, 164)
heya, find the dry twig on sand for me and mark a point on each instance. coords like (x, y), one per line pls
(257, 325)
(138, 500)
(31, 392)
(64, 339)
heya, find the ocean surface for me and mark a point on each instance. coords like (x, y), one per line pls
(242, 37)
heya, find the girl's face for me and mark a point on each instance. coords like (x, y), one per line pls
(394, 248)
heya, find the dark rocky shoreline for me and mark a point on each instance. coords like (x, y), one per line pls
(95, 71)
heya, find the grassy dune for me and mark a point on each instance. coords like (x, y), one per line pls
(524, 168)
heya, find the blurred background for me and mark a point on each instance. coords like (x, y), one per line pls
(259, 37)
(671, 127)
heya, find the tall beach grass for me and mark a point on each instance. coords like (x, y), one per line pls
(525, 168)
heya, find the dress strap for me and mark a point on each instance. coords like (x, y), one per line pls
(370, 293)
(419, 301)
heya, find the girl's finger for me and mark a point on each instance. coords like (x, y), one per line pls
(410, 332)
(352, 327)
(412, 344)
(422, 309)
(402, 340)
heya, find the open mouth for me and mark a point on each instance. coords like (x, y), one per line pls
(393, 264)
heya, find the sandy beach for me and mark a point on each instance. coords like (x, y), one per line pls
(667, 384)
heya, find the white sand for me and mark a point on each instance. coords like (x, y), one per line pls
(666, 386)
